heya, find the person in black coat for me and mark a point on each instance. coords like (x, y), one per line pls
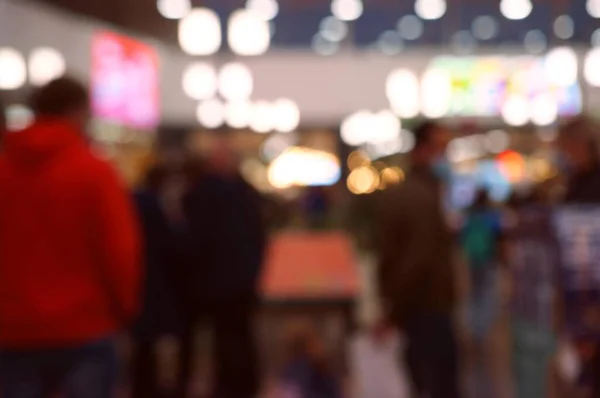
(226, 242)
(157, 316)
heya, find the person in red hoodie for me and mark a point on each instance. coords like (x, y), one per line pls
(69, 255)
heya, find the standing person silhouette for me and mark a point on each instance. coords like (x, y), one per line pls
(69, 255)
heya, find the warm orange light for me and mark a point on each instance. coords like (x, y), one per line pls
(512, 166)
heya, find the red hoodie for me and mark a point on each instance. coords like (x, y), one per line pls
(69, 243)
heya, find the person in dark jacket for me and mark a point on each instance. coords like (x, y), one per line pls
(578, 144)
(226, 241)
(158, 316)
(416, 269)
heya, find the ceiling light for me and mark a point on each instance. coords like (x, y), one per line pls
(173, 9)
(45, 64)
(266, 9)
(200, 81)
(430, 9)
(333, 29)
(516, 9)
(564, 27)
(410, 27)
(13, 71)
(248, 34)
(390, 42)
(235, 82)
(535, 41)
(323, 46)
(347, 10)
(593, 8)
(484, 27)
(200, 32)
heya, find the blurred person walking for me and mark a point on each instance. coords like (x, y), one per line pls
(480, 241)
(69, 255)
(162, 280)
(580, 159)
(226, 244)
(416, 269)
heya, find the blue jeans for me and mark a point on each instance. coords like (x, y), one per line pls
(85, 371)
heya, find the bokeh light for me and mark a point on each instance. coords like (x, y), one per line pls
(430, 9)
(286, 115)
(544, 110)
(18, 117)
(402, 91)
(45, 64)
(358, 159)
(591, 67)
(200, 81)
(238, 114)
(535, 42)
(516, 9)
(13, 70)
(497, 141)
(298, 166)
(515, 111)
(363, 180)
(248, 34)
(262, 119)
(333, 29)
(266, 9)
(593, 8)
(564, 27)
(347, 10)
(200, 32)
(560, 66)
(390, 176)
(211, 113)
(436, 93)
(484, 27)
(235, 82)
(173, 9)
(410, 27)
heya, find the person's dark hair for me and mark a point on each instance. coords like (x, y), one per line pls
(156, 177)
(59, 97)
(481, 200)
(424, 132)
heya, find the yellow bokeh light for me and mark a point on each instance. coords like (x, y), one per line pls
(363, 180)
(358, 159)
(541, 170)
(391, 176)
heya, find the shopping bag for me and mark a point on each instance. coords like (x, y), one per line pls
(377, 369)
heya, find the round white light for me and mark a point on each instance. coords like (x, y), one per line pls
(238, 114)
(515, 111)
(535, 42)
(386, 127)
(462, 42)
(408, 140)
(595, 40)
(173, 9)
(13, 71)
(323, 46)
(248, 34)
(484, 27)
(266, 9)
(410, 27)
(564, 27)
(200, 81)
(430, 9)
(436, 93)
(560, 66)
(235, 82)
(497, 141)
(516, 9)
(356, 128)
(591, 67)
(402, 91)
(333, 29)
(262, 119)
(200, 32)
(390, 42)
(211, 113)
(544, 110)
(347, 10)
(286, 115)
(18, 117)
(45, 64)
(593, 8)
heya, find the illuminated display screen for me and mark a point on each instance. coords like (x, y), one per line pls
(124, 81)
(481, 85)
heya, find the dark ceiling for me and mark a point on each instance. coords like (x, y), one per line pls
(298, 20)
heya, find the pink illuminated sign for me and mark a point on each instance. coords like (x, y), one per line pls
(124, 81)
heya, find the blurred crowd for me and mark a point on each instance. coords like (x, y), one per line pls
(83, 261)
